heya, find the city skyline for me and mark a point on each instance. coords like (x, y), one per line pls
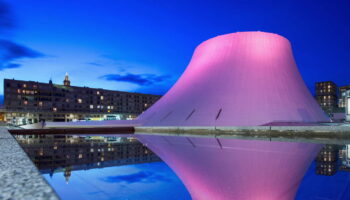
(145, 46)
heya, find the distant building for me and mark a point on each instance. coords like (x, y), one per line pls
(326, 95)
(344, 88)
(344, 92)
(29, 102)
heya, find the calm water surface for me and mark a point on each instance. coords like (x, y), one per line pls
(120, 167)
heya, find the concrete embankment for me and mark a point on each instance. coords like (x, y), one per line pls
(74, 130)
(315, 134)
(19, 177)
(334, 133)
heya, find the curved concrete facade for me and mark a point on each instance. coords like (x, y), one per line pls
(238, 79)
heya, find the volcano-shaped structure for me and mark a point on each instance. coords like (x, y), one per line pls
(238, 79)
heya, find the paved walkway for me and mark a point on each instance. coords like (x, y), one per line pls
(19, 178)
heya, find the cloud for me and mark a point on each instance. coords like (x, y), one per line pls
(9, 66)
(139, 79)
(95, 64)
(10, 51)
(142, 176)
(7, 21)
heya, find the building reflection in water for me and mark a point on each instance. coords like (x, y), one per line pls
(333, 158)
(326, 160)
(66, 153)
(345, 158)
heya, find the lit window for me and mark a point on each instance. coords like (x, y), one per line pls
(25, 102)
(54, 109)
(24, 85)
(19, 91)
(98, 92)
(80, 156)
(80, 101)
(40, 103)
(108, 107)
(91, 106)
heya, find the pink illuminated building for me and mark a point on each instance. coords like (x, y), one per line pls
(239, 79)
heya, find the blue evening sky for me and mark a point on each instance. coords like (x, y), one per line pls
(144, 46)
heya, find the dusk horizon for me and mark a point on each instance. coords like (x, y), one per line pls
(145, 46)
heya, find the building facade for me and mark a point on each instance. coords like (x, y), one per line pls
(326, 95)
(345, 102)
(343, 95)
(29, 102)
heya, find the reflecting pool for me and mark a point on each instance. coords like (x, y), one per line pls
(121, 167)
